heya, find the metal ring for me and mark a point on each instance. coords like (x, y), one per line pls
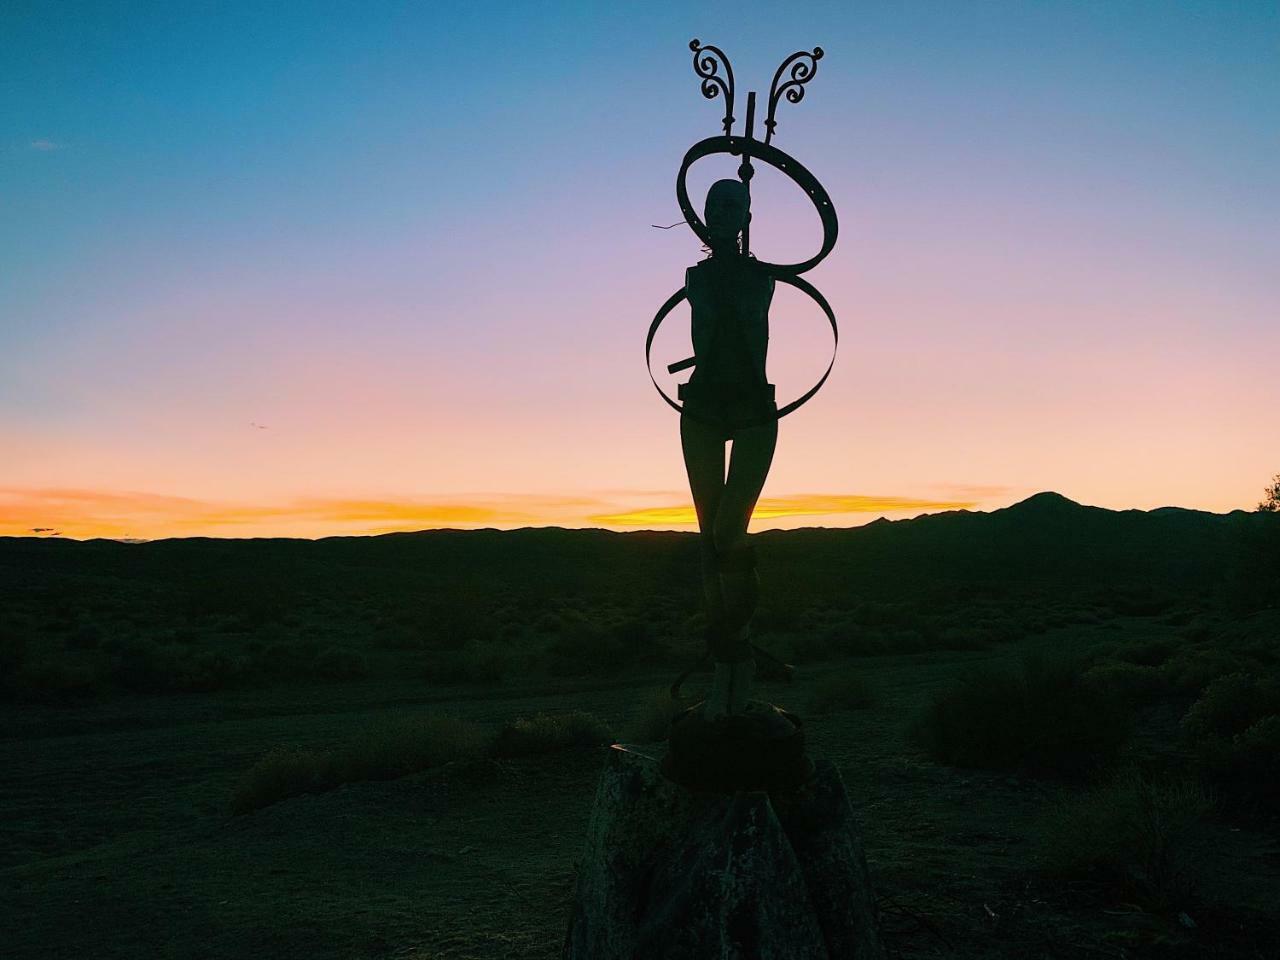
(782, 162)
(804, 286)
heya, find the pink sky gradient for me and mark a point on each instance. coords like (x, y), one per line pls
(324, 299)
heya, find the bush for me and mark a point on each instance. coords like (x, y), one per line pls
(388, 750)
(582, 647)
(653, 720)
(1231, 704)
(477, 662)
(143, 666)
(1254, 763)
(212, 670)
(398, 747)
(286, 659)
(1148, 653)
(284, 772)
(1235, 732)
(545, 733)
(1143, 833)
(1039, 717)
(1131, 681)
(13, 654)
(1191, 670)
(341, 663)
(87, 636)
(55, 679)
(849, 690)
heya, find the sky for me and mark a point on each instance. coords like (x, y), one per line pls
(345, 268)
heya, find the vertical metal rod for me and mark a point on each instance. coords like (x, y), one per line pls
(745, 170)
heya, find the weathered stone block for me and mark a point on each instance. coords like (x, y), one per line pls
(668, 874)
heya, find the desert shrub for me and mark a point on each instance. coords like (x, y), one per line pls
(86, 636)
(385, 751)
(55, 679)
(1149, 653)
(477, 662)
(583, 648)
(1143, 833)
(13, 653)
(864, 642)
(1234, 733)
(545, 733)
(453, 624)
(143, 666)
(963, 638)
(807, 646)
(587, 647)
(284, 772)
(1190, 670)
(1231, 704)
(1257, 748)
(212, 670)
(1031, 621)
(1037, 716)
(341, 663)
(1198, 631)
(286, 659)
(1139, 600)
(848, 690)
(873, 613)
(905, 640)
(1130, 681)
(397, 747)
(652, 721)
(1179, 617)
(778, 612)
(398, 637)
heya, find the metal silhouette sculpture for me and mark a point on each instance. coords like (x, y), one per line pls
(728, 398)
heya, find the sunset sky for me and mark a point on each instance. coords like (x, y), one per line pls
(276, 269)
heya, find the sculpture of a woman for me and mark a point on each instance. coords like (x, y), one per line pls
(728, 399)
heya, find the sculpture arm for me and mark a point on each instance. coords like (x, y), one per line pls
(688, 362)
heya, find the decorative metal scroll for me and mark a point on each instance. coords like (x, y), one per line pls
(706, 64)
(804, 66)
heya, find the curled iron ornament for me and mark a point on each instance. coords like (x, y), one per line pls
(804, 67)
(706, 64)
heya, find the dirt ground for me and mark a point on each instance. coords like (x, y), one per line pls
(116, 841)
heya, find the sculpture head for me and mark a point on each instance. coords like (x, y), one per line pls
(727, 211)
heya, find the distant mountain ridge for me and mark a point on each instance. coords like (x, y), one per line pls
(1044, 538)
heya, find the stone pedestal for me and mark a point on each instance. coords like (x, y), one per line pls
(672, 874)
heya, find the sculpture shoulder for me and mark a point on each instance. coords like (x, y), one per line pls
(711, 270)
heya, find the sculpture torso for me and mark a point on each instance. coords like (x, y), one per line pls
(729, 299)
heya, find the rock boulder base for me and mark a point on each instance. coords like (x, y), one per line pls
(670, 874)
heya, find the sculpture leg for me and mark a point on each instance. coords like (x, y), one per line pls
(703, 447)
(753, 449)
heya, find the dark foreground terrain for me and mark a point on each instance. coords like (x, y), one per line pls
(1060, 728)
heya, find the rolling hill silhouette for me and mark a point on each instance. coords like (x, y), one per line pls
(1044, 542)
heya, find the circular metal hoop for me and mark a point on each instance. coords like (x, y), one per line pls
(783, 163)
(804, 286)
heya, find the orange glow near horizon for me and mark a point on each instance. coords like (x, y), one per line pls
(86, 514)
(802, 505)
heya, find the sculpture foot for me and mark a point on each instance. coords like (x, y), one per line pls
(730, 689)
